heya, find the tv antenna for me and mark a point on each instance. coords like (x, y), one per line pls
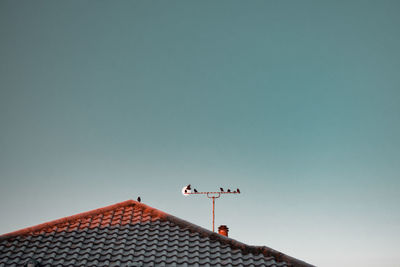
(187, 190)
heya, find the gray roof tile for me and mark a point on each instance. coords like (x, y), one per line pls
(131, 234)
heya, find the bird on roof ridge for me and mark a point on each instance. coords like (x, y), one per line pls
(139, 199)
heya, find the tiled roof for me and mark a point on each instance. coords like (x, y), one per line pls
(131, 234)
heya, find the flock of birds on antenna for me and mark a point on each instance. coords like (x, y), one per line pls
(189, 188)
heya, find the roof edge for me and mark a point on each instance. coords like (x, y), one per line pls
(267, 251)
(68, 218)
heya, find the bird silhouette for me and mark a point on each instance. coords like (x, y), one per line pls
(195, 190)
(228, 190)
(185, 191)
(188, 187)
(222, 190)
(238, 190)
(139, 199)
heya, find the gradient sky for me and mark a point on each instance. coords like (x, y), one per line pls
(295, 102)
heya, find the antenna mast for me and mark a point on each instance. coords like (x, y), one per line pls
(211, 195)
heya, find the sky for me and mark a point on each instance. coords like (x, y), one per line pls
(297, 103)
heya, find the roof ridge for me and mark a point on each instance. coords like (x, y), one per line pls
(70, 218)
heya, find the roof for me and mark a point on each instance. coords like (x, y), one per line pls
(131, 234)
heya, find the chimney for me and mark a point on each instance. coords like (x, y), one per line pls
(223, 230)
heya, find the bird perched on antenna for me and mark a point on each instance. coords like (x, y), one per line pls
(139, 199)
(238, 190)
(188, 187)
(195, 190)
(228, 191)
(222, 190)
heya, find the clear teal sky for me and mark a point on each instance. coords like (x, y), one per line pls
(295, 102)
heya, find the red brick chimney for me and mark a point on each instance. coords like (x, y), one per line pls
(223, 230)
